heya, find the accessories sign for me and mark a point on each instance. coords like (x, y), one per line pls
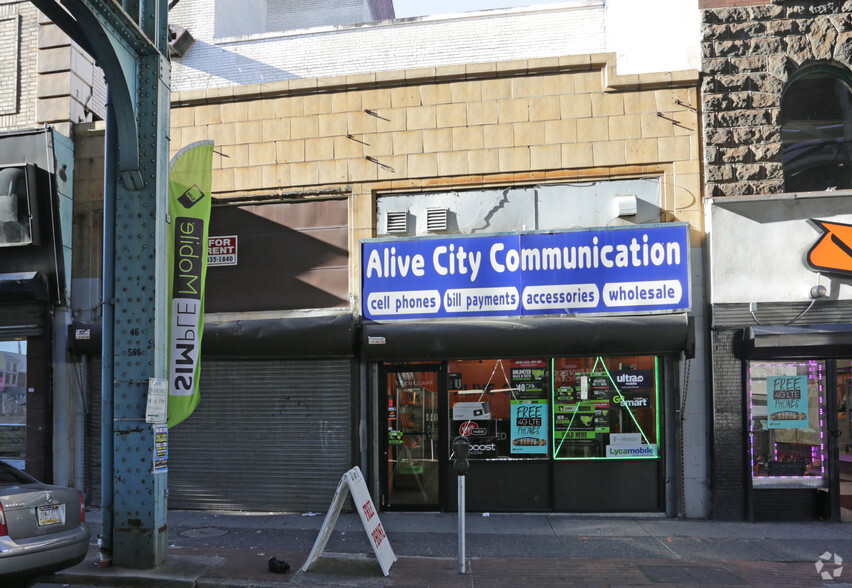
(623, 270)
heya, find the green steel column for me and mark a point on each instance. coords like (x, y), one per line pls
(133, 53)
(140, 530)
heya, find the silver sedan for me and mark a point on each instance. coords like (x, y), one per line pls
(42, 527)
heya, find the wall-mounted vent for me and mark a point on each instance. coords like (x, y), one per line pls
(436, 219)
(397, 221)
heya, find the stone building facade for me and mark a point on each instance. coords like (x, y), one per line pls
(770, 305)
(749, 50)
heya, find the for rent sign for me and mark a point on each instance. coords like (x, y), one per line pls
(624, 270)
(222, 250)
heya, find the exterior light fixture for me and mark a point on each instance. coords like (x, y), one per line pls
(626, 205)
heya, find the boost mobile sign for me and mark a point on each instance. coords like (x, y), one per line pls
(623, 270)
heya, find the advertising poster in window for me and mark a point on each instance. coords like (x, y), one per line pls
(787, 402)
(529, 426)
(528, 379)
(583, 420)
(473, 420)
(635, 388)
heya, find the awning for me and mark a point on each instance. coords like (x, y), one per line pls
(532, 337)
(806, 341)
(326, 335)
(23, 287)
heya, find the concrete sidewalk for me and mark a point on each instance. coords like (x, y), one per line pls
(227, 549)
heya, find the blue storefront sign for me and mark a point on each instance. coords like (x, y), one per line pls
(621, 270)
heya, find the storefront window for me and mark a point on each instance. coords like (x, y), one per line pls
(787, 424)
(565, 408)
(13, 402)
(605, 407)
(502, 406)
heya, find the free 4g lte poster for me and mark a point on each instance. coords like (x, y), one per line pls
(529, 426)
(787, 402)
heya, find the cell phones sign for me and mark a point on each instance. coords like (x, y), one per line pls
(222, 250)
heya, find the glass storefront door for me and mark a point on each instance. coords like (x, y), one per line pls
(413, 447)
(13, 402)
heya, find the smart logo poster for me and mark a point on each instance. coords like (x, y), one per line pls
(787, 402)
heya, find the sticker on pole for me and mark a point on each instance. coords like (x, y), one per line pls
(353, 481)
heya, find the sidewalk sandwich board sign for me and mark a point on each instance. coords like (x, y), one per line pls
(353, 481)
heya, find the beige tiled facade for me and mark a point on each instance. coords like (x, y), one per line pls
(494, 124)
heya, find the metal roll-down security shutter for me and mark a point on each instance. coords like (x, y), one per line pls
(18, 321)
(269, 435)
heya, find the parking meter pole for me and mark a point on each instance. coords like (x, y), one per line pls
(461, 525)
(461, 451)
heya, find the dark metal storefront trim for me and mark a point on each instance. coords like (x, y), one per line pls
(23, 287)
(330, 335)
(474, 339)
(810, 341)
(25, 319)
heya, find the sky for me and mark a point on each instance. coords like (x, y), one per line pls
(406, 8)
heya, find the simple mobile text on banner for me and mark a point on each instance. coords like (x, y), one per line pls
(190, 180)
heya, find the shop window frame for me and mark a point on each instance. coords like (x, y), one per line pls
(797, 177)
(784, 479)
(657, 416)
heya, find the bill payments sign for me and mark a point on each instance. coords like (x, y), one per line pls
(623, 270)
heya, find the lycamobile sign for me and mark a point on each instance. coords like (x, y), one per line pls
(623, 270)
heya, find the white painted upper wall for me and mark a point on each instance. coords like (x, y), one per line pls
(649, 41)
(759, 246)
(653, 35)
(245, 17)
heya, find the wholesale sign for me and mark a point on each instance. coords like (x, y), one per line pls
(624, 270)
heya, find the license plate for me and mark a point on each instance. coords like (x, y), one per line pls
(48, 515)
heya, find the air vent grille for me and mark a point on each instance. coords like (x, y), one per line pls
(397, 221)
(436, 219)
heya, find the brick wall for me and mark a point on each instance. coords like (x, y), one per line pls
(18, 30)
(69, 86)
(386, 46)
(285, 15)
(502, 123)
(727, 476)
(87, 226)
(748, 56)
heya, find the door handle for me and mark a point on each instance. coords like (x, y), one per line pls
(836, 433)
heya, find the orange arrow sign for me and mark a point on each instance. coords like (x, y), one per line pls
(833, 251)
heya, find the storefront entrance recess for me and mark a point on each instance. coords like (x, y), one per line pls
(413, 447)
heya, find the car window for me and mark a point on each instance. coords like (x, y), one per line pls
(10, 475)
